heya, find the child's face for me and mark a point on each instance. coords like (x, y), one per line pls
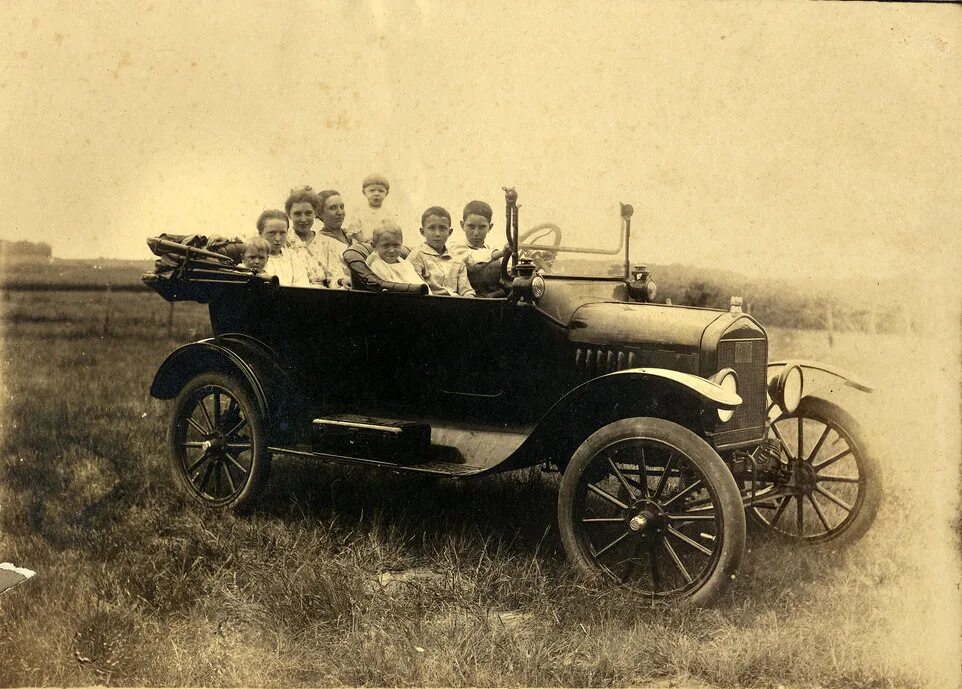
(436, 230)
(475, 228)
(375, 193)
(388, 247)
(302, 217)
(275, 232)
(255, 258)
(332, 215)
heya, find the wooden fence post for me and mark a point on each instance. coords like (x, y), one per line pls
(170, 321)
(829, 324)
(106, 326)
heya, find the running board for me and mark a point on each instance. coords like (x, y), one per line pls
(433, 468)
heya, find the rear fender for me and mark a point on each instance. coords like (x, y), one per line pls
(251, 359)
(651, 392)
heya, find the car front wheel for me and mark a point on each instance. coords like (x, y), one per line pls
(831, 488)
(216, 442)
(648, 504)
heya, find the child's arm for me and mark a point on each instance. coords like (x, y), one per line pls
(464, 285)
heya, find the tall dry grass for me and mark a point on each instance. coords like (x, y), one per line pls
(353, 577)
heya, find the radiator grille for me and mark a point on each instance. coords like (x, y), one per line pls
(749, 358)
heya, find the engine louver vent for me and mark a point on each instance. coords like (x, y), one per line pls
(596, 361)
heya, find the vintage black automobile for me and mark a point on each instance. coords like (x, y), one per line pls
(668, 423)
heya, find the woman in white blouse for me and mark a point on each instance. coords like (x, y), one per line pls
(322, 255)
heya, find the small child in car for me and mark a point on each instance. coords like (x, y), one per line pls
(256, 251)
(443, 273)
(385, 261)
(375, 189)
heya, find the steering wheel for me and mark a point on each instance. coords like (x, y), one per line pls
(541, 258)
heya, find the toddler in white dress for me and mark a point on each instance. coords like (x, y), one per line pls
(386, 261)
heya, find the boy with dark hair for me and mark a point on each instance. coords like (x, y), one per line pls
(443, 273)
(477, 255)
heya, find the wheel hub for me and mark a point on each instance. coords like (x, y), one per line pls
(649, 517)
(805, 478)
(215, 443)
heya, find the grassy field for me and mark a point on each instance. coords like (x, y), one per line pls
(348, 577)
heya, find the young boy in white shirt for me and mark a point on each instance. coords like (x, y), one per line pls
(386, 261)
(477, 255)
(375, 188)
(476, 223)
(443, 273)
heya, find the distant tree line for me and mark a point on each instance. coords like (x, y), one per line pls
(24, 248)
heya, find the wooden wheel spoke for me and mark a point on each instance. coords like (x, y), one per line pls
(818, 511)
(801, 426)
(831, 460)
(834, 498)
(216, 408)
(207, 474)
(607, 496)
(781, 508)
(203, 407)
(611, 545)
(230, 479)
(678, 563)
(233, 431)
(781, 441)
(837, 479)
(238, 447)
(689, 489)
(690, 517)
(688, 540)
(194, 443)
(818, 445)
(200, 429)
(621, 478)
(237, 464)
(603, 520)
(663, 480)
(200, 460)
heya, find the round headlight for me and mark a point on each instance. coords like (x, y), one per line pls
(792, 385)
(730, 383)
(538, 287)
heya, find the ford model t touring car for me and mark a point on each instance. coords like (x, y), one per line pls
(668, 423)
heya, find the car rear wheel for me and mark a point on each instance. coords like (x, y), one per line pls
(648, 504)
(216, 442)
(832, 488)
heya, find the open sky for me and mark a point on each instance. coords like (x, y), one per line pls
(813, 138)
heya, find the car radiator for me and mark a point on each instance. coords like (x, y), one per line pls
(749, 359)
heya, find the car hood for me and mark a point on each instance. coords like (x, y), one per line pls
(650, 326)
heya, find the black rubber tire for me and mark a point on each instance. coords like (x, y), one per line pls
(728, 541)
(241, 489)
(865, 504)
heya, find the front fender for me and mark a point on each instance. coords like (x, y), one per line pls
(652, 392)
(252, 360)
(806, 364)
